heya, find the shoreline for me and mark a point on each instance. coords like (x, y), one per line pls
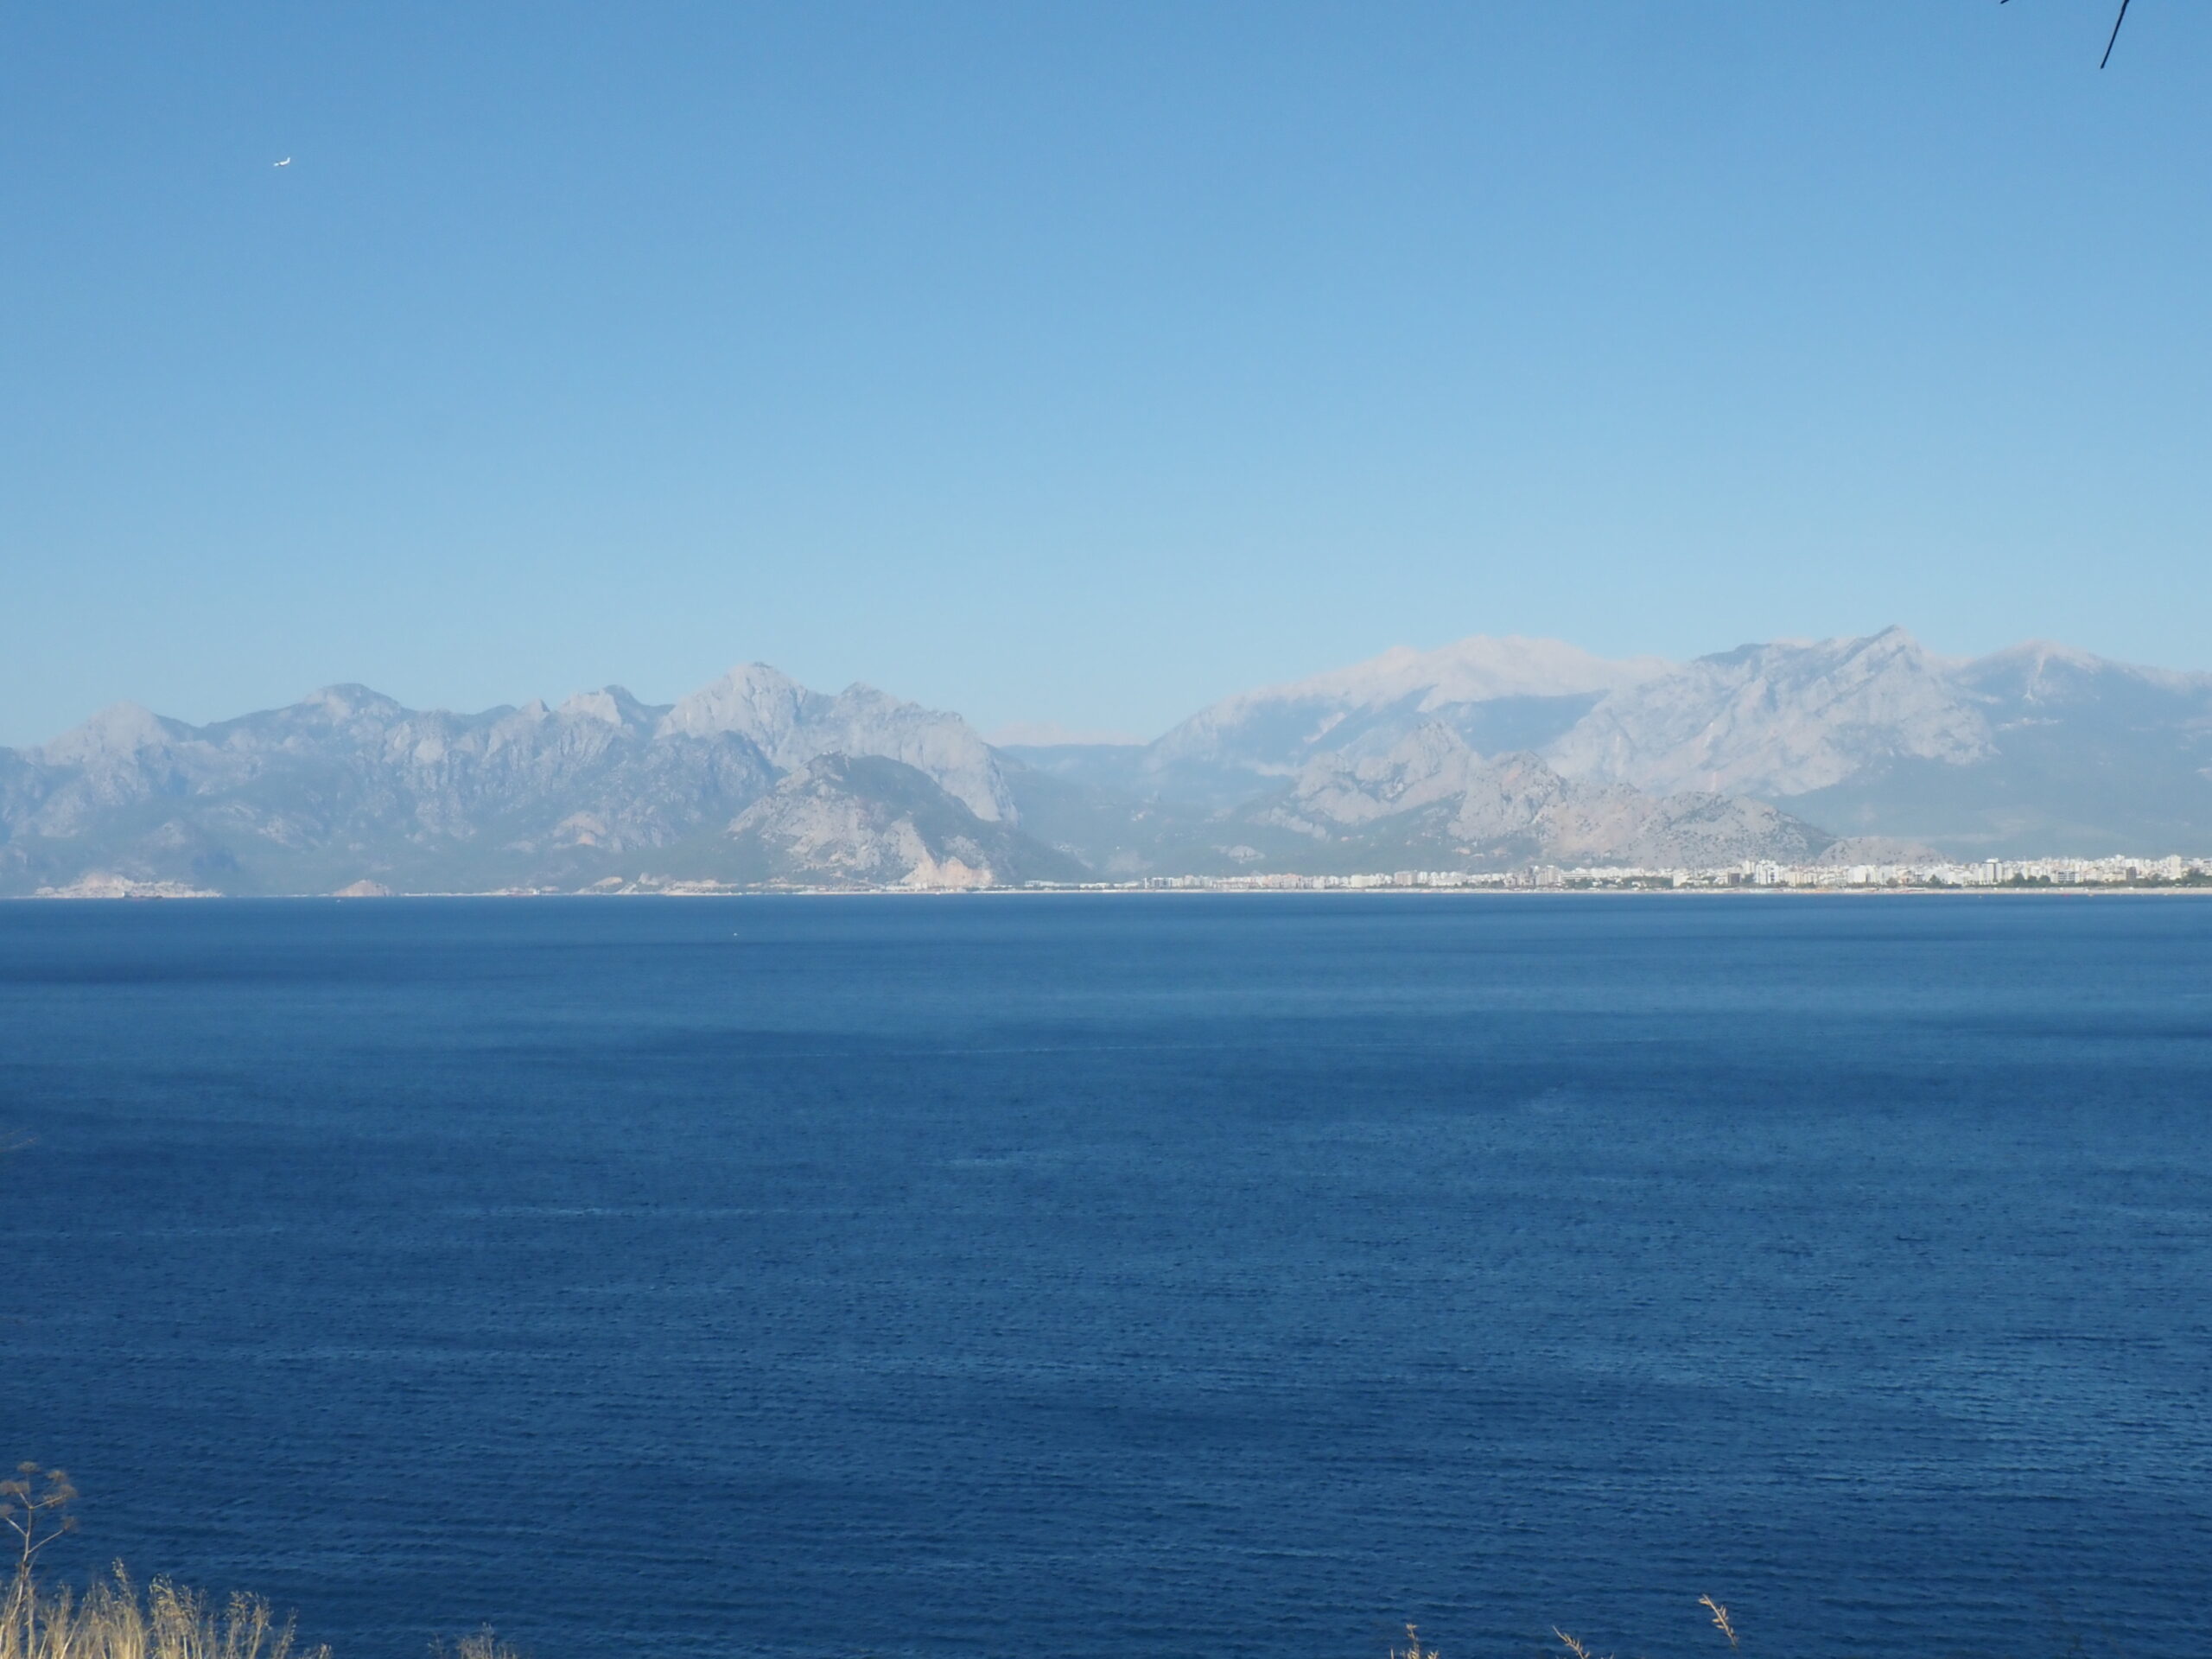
(1704, 891)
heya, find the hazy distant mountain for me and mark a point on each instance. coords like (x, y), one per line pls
(1486, 754)
(349, 786)
(1500, 694)
(792, 726)
(876, 822)
(1779, 719)
(1428, 801)
(2037, 749)
(1429, 793)
(2083, 755)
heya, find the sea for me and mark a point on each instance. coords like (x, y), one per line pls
(1133, 1275)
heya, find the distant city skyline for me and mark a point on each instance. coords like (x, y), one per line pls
(1082, 366)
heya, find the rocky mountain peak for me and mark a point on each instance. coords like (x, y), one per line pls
(1779, 719)
(613, 706)
(342, 704)
(117, 732)
(1485, 752)
(876, 821)
(757, 701)
(1272, 728)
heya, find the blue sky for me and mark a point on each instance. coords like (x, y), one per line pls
(1082, 363)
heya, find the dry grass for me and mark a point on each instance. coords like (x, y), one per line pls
(115, 1619)
(1719, 1618)
(484, 1644)
(1580, 1650)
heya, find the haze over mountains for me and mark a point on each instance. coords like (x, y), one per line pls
(1485, 754)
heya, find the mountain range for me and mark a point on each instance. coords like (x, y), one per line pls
(1488, 754)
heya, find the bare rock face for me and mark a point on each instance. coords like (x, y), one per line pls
(867, 821)
(347, 756)
(815, 824)
(1431, 793)
(792, 726)
(1485, 752)
(1429, 767)
(347, 785)
(1779, 720)
(1527, 687)
(2037, 749)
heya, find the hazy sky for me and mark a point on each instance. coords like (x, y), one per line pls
(1083, 362)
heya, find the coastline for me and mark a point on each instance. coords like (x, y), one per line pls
(1180, 889)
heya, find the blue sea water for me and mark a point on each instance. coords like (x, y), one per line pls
(1127, 1275)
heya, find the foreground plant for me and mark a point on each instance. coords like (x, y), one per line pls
(1719, 1618)
(1580, 1650)
(114, 1619)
